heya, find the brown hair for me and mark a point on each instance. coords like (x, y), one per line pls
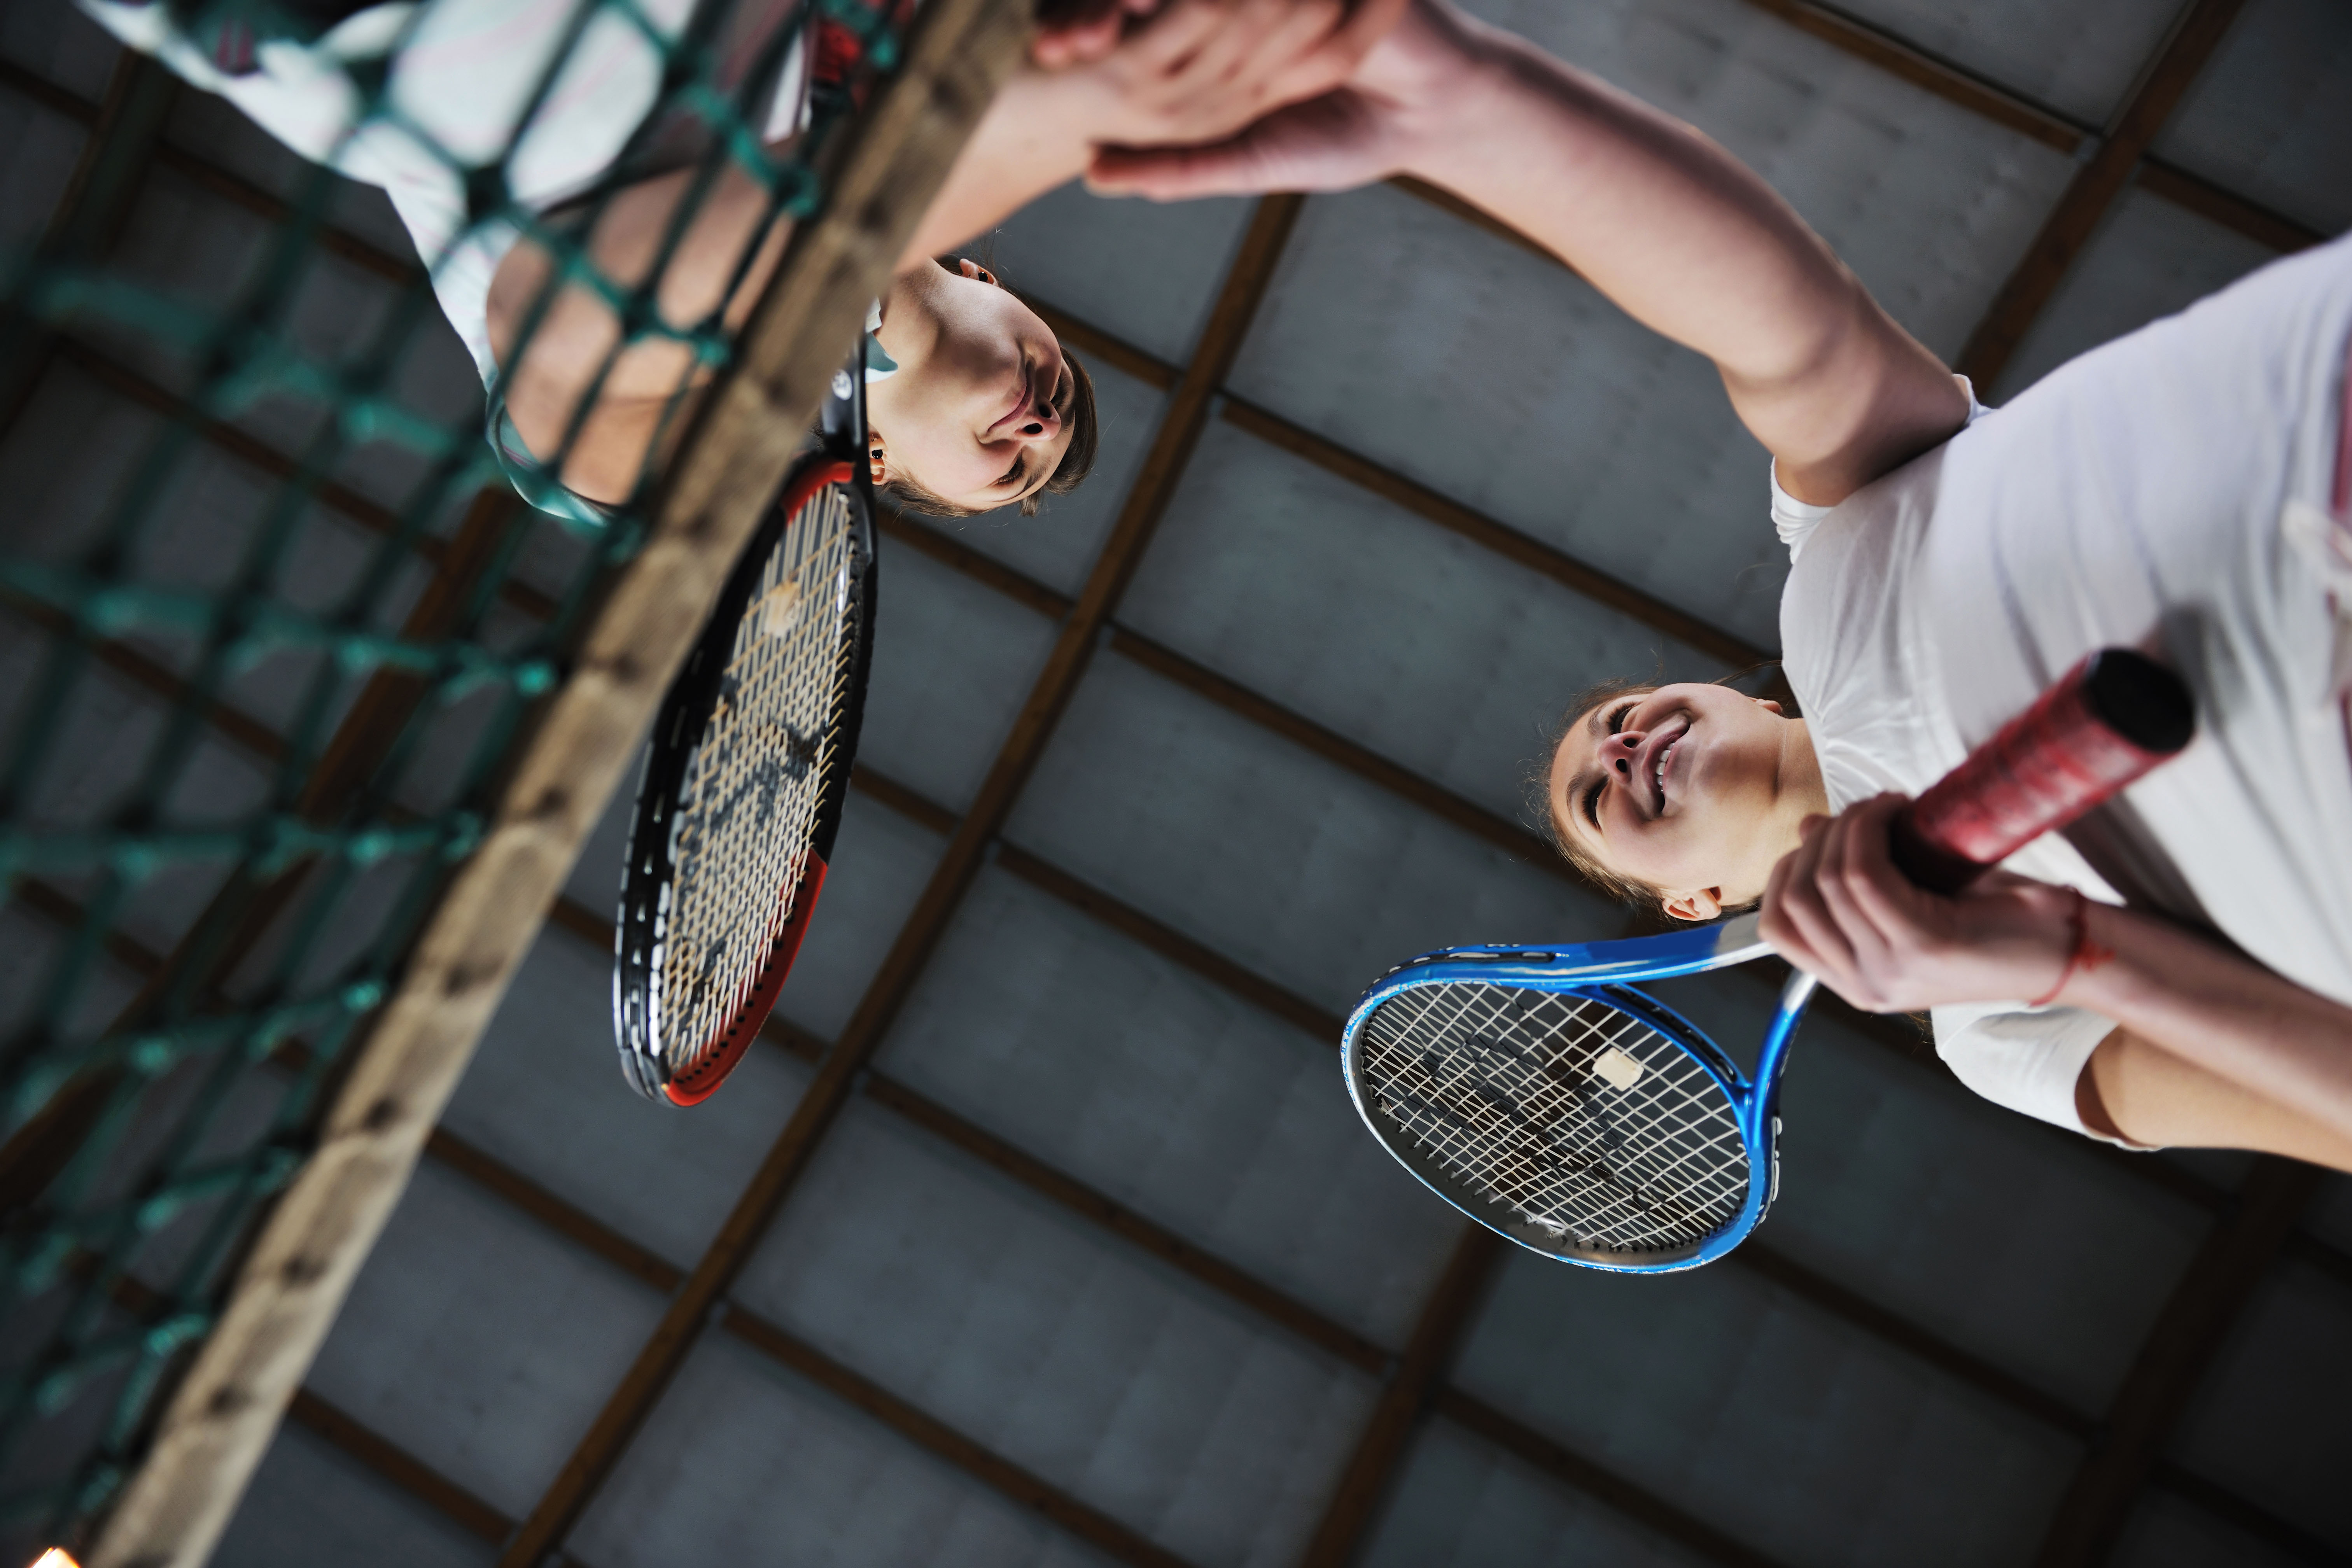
(1077, 457)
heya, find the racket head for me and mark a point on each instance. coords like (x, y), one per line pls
(1574, 1115)
(744, 780)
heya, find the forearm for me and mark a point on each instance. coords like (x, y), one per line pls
(2158, 1099)
(1693, 244)
(575, 337)
(2215, 1011)
(1021, 150)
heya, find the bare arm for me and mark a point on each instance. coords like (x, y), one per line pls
(1678, 232)
(2210, 1049)
(2159, 1099)
(577, 330)
(2190, 1016)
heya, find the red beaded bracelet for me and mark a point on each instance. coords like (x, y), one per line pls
(2074, 954)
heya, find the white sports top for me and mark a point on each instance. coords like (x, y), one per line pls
(2167, 491)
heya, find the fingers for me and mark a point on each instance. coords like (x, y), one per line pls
(1262, 42)
(1320, 145)
(1880, 892)
(1796, 919)
(1178, 173)
(1080, 43)
(1827, 912)
(1089, 34)
(1366, 23)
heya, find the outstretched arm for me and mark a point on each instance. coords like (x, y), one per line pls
(2208, 1048)
(1681, 234)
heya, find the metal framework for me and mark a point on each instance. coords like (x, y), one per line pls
(2123, 1444)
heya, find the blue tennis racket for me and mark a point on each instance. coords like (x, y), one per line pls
(1543, 1094)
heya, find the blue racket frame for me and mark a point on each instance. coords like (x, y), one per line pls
(1603, 971)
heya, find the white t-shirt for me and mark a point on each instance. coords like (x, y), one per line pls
(2167, 491)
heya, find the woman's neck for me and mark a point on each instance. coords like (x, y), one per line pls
(1798, 789)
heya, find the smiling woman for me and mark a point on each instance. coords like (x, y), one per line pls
(1684, 796)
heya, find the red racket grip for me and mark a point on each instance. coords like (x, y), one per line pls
(2106, 722)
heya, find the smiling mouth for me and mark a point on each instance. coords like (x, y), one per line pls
(1659, 763)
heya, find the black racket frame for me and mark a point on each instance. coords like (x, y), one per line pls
(686, 711)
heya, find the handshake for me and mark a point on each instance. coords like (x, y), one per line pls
(1177, 99)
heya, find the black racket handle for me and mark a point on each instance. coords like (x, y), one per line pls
(2106, 722)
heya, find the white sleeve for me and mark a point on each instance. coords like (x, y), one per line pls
(1795, 519)
(2028, 1059)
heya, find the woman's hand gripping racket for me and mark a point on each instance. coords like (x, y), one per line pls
(1542, 1095)
(744, 777)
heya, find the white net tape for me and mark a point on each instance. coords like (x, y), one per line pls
(1583, 1118)
(748, 803)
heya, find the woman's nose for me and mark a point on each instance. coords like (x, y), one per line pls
(1619, 749)
(1043, 424)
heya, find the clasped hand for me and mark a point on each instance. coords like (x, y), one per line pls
(1837, 908)
(1141, 72)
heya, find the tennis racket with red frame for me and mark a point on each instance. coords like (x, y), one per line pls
(745, 775)
(1543, 1095)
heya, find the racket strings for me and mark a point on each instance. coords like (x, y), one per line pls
(754, 782)
(1578, 1115)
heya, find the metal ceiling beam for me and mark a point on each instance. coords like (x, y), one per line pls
(2094, 189)
(1437, 1335)
(1955, 84)
(1179, 431)
(2050, 126)
(1612, 592)
(2232, 211)
(2205, 1305)
(1589, 581)
(395, 1465)
(1639, 1504)
(2290, 1540)
(1089, 1524)
(1234, 698)
(340, 1429)
(908, 1420)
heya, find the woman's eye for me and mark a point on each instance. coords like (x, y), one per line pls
(1012, 476)
(1617, 717)
(1592, 801)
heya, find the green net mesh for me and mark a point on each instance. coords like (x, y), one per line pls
(272, 610)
